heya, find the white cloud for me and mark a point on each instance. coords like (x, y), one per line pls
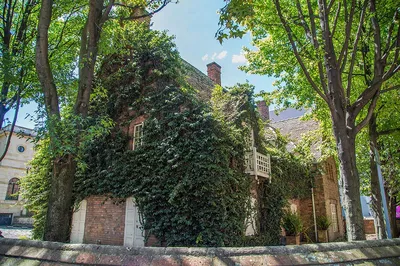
(222, 54)
(219, 56)
(239, 59)
(205, 57)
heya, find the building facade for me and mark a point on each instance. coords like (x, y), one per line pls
(12, 168)
(324, 196)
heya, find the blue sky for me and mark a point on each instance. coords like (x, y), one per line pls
(194, 24)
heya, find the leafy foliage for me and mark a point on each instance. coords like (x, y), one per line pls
(292, 223)
(35, 186)
(323, 223)
(291, 174)
(182, 177)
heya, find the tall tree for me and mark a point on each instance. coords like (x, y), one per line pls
(64, 159)
(383, 134)
(18, 27)
(323, 50)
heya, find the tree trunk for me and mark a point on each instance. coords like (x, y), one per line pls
(392, 212)
(3, 112)
(58, 217)
(350, 183)
(59, 210)
(376, 196)
(88, 56)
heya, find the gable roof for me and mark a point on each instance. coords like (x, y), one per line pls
(291, 125)
(199, 81)
(288, 113)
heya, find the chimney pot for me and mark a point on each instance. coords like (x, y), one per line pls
(214, 72)
(263, 109)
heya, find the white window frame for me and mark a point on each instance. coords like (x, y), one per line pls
(334, 218)
(137, 139)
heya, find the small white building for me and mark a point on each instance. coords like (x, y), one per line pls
(12, 168)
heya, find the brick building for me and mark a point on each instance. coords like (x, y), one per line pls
(101, 221)
(12, 168)
(325, 187)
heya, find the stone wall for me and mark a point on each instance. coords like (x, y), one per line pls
(105, 221)
(25, 252)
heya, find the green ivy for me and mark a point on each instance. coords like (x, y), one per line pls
(188, 176)
(183, 178)
(36, 184)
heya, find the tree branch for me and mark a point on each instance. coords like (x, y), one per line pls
(349, 21)
(389, 131)
(395, 87)
(354, 51)
(12, 128)
(393, 69)
(378, 68)
(106, 13)
(304, 23)
(61, 35)
(390, 32)
(296, 52)
(370, 112)
(336, 19)
(164, 4)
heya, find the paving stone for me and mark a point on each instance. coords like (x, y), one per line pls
(85, 258)
(192, 260)
(137, 260)
(165, 261)
(109, 260)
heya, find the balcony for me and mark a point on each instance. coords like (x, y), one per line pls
(258, 164)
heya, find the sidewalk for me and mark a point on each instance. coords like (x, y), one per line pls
(16, 232)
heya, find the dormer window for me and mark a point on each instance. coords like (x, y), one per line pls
(137, 136)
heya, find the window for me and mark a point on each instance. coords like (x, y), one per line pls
(138, 136)
(21, 148)
(12, 189)
(334, 218)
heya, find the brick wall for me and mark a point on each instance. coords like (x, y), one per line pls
(369, 226)
(326, 192)
(331, 192)
(372, 252)
(214, 72)
(105, 221)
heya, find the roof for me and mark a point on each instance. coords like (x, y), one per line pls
(291, 125)
(286, 114)
(294, 128)
(19, 130)
(198, 80)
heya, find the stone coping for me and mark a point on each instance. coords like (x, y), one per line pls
(89, 254)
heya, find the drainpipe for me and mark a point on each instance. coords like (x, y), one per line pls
(384, 203)
(315, 217)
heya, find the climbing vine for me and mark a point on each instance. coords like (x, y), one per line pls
(291, 174)
(187, 178)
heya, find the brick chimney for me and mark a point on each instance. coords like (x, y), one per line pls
(214, 72)
(263, 109)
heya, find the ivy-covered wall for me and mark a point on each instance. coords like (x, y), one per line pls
(188, 176)
(183, 178)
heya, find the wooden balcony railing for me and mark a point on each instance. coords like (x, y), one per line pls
(258, 164)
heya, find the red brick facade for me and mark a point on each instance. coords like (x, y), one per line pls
(105, 221)
(327, 200)
(369, 226)
(214, 72)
